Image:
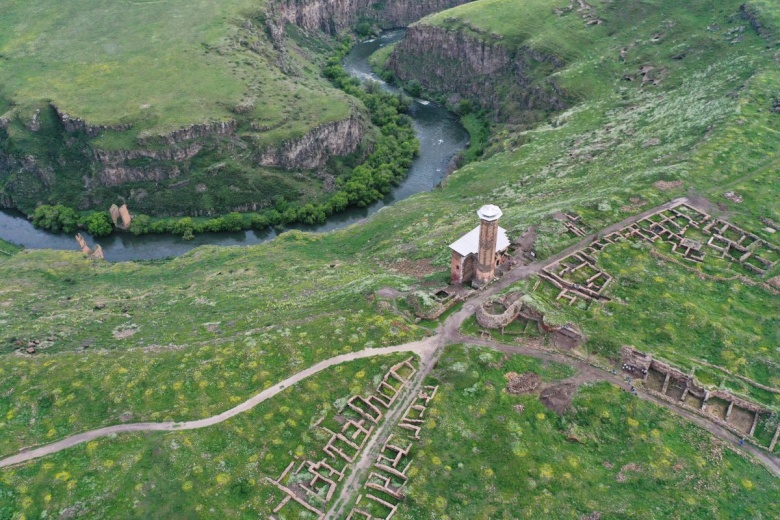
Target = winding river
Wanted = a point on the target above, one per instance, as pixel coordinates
(439, 133)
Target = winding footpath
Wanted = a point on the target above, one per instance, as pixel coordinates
(423, 348)
(429, 349)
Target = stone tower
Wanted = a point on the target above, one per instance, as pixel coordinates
(488, 234)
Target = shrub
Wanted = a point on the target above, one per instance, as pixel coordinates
(56, 219)
(98, 224)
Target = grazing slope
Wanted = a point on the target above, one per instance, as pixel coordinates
(704, 123)
(153, 102)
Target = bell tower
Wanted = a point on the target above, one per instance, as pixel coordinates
(488, 235)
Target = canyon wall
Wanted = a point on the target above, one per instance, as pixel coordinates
(503, 79)
(332, 16)
(313, 149)
(73, 166)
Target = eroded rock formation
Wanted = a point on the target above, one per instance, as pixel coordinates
(490, 73)
(332, 16)
(313, 149)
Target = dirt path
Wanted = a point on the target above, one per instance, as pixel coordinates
(424, 348)
(429, 350)
(372, 448)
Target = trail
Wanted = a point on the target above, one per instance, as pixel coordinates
(429, 349)
(424, 348)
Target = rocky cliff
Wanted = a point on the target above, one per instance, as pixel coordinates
(77, 162)
(332, 16)
(509, 81)
(313, 149)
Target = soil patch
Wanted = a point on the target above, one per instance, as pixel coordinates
(741, 419)
(415, 268)
(675, 390)
(558, 398)
(389, 293)
(667, 185)
(693, 401)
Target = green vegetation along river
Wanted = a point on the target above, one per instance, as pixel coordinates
(438, 130)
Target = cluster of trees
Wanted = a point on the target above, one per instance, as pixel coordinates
(63, 219)
(386, 166)
(395, 148)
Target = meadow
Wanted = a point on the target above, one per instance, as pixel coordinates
(608, 454)
(217, 471)
(621, 147)
(108, 337)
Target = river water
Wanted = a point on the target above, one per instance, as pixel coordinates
(439, 133)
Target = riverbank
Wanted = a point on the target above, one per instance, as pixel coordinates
(438, 131)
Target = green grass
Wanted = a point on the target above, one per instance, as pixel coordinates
(479, 458)
(129, 70)
(216, 471)
(717, 133)
(662, 308)
(114, 63)
(7, 249)
(176, 340)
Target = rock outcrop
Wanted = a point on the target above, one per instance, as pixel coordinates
(332, 16)
(313, 149)
(75, 124)
(77, 150)
(486, 71)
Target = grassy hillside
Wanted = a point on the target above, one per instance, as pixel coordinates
(609, 453)
(217, 471)
(157, 77)
(708, 128)
(159, 66)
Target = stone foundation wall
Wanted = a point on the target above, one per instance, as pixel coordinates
(497, 321)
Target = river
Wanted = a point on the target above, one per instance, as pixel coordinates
(438, 130)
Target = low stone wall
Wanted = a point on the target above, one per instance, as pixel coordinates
(489, 320)
(673, 376)
(566, 336)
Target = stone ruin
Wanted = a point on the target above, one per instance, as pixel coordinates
(742, 247)
(577, 277)
(97, 253)
(668, 225)
(441, 301)
(498, 313)
(384, 488)
(574, 224)
(313, 484)
(522, 383)
(671, 225)
(722, 407)
(120, 216)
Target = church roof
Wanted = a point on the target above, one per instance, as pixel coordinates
(469, 243)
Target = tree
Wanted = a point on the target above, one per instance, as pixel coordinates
(57, 218)
(98, 224)
(183, 227)
(414, 88)
(232, 222)
(140, 225)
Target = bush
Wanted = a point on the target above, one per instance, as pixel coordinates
(141, 225)
(56, 219)
(184, 227)
(98, 224)
(414, 88)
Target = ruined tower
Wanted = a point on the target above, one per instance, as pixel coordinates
(488, 235)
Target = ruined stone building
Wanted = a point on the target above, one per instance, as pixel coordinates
(476, 254)
(120, 216)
